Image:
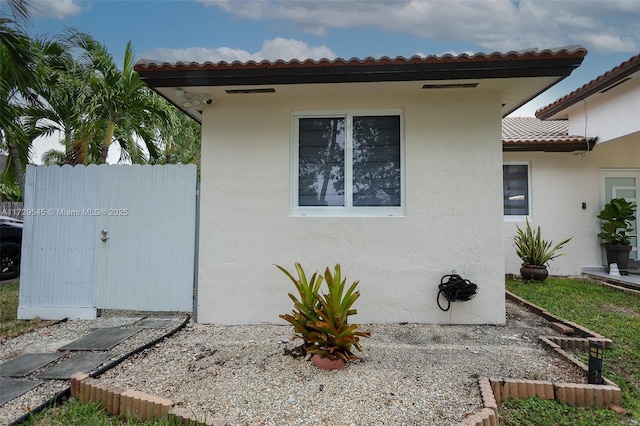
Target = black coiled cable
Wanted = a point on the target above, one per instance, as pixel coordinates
(455, 288)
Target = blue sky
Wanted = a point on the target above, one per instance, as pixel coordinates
(215, 30)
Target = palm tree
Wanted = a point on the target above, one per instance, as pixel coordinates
(180, 140)
(20, 76)
(122, 107)
(64, 94)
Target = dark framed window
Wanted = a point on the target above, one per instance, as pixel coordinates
(515, 179)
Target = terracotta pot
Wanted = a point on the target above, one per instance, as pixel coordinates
(534, 273)
(326, 363)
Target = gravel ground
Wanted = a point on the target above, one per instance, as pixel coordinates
(48, 340)
(406, 375)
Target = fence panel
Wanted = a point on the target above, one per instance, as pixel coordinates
(145, 259)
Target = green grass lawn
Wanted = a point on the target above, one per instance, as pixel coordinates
(74, 412)
(9, 325)
(608, 312)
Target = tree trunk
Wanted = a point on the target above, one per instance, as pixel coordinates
(14, 154)
(106, 143)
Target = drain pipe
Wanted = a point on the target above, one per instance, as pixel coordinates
(65, 393)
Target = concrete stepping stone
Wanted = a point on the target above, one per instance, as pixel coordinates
(26, 364)
(156, 322)
(13, 388)
(117, 322)
(83, 362)
(100, 340)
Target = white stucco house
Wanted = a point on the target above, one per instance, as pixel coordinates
(390, 167)
(564, 165)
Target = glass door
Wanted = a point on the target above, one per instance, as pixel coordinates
(624, 184)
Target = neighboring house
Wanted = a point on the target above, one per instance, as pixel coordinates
(561, 167)
(391, 167)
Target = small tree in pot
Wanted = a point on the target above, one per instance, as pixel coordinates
(535, 252)
(617, 218)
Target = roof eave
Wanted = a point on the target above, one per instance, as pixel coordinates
(549, 146)
(201, 76)
(605, 81)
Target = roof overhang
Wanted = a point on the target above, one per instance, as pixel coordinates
(517, 76)
(576, 144)
(601, 84)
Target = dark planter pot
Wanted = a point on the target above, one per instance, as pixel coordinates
(326, 363)
(534, 273)
(619, 254)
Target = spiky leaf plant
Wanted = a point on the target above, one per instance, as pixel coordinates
(304, 306)
(532, 249)
(333, 336)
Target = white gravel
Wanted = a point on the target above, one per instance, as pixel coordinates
(407, 374)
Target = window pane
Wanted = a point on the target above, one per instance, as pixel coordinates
(321, 162)
(515, 189)
(376, 161)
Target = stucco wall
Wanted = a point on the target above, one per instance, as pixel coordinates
(560, 183)
(453, 215)
(608, 115)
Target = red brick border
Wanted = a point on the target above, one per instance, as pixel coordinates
(120, 402)
(495, 391)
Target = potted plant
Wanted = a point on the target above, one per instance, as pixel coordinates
(322, 319)
(617, 219)
(535, 252)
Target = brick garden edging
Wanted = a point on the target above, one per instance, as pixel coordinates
(121, 402)
(124, 402)
(495, 391)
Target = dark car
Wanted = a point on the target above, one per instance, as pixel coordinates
(10, 245)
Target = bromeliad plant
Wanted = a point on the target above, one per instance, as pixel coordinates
(304, 308)
(321, 320)
(334, 336)
(532, 249)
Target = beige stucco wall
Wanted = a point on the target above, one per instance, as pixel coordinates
(560, 183)
(608, 115)
(453, 217)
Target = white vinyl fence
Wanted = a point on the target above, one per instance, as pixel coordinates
(107, 237)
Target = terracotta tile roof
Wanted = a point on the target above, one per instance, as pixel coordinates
(568, 52)
(614, 76)
(556, 63)
(532, 134)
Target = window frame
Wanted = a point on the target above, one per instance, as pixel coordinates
(518, 217)
(348, 209)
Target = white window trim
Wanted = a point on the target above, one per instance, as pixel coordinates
(520, 218)
(343, 211)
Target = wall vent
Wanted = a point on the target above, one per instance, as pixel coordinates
(450, 86)
(247, 91)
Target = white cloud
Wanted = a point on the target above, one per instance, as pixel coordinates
(278, 48)
(58, 9)
(607, 26)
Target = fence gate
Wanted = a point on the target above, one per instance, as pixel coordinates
(107, 237)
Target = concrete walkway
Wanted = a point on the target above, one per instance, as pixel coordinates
(92, 354)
